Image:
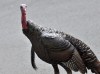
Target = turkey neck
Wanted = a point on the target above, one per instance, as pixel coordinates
(23, 16)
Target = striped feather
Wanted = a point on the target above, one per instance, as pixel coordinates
(76, 63)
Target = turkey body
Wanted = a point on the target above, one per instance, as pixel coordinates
(48, 46)
(52, 47)
(58, 48)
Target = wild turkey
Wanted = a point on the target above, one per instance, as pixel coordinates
(58, 48)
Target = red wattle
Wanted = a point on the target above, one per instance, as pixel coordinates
(23, 21)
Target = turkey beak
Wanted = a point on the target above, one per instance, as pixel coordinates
(23, 16)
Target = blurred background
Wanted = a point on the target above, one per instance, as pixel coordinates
(80, 18)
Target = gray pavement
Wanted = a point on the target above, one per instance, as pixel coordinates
(80, 18)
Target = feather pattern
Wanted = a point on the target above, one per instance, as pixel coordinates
(84, 50)
(76, 63)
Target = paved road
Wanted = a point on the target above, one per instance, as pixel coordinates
(76, 17)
